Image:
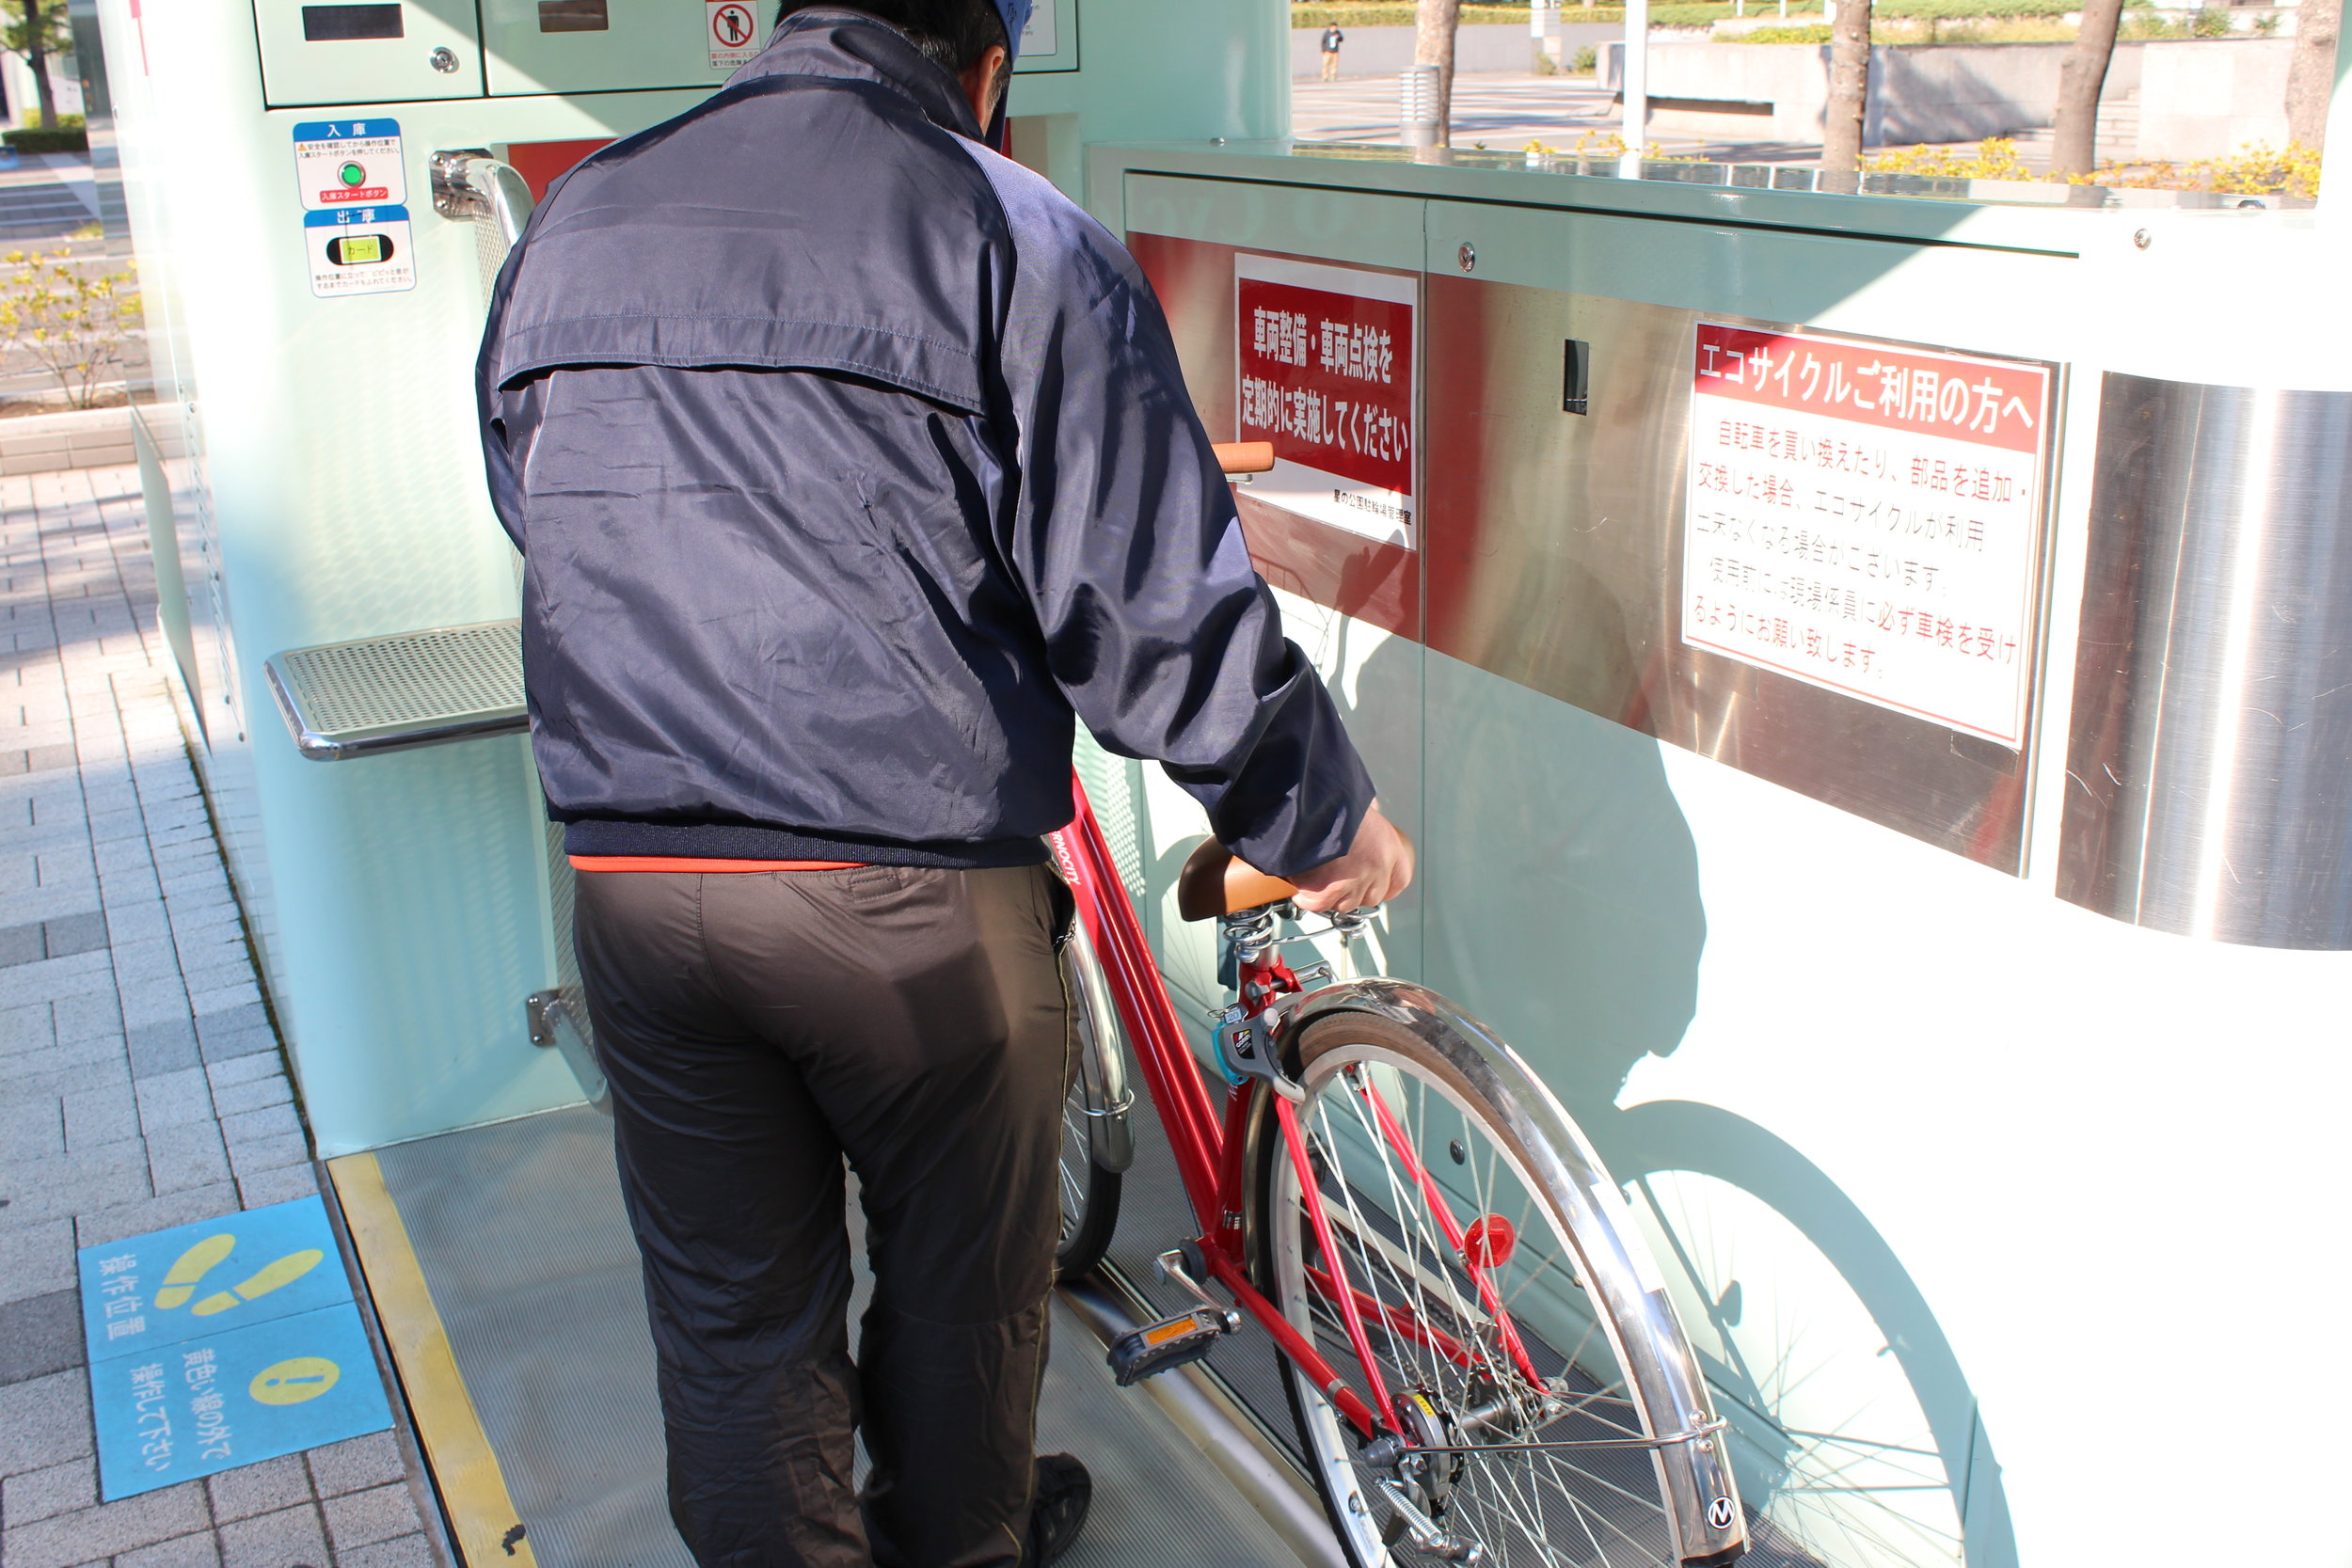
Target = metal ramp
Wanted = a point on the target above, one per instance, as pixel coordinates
(517, 1234)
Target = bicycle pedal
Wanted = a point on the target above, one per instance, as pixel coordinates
(1172, 1342)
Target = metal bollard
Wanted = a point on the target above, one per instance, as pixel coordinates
(1418, 102)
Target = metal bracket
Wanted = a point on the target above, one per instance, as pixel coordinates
(556, 1025)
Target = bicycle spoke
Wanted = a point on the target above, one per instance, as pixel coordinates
(1438, 1315)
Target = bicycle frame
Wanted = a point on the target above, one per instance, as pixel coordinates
(1209, 1145)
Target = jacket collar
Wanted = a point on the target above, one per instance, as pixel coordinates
(849, 45)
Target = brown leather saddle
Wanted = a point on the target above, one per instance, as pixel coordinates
(1216, 881)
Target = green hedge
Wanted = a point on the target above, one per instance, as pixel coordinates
(65, 139)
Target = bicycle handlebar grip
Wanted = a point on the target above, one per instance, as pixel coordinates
(1244, 457)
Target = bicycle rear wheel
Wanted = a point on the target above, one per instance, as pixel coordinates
(1539, 1355)
(1096, 1144)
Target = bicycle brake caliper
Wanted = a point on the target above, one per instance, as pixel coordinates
(1245, 1050)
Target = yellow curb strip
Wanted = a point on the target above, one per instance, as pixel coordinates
(473, 1489)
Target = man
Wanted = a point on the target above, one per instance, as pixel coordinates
(1332, 38)
(850, 461)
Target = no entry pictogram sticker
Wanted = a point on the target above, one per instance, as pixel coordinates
(732, 30)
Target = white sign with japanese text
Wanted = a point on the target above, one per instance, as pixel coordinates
(731, 29)
(1867, 520)
(1325, 362)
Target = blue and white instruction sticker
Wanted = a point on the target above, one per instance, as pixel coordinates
(359, 250)
(349, 162)
(206, 1405)
(223, 1343)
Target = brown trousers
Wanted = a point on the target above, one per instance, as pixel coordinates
(757, 1028)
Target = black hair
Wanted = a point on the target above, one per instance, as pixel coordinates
(952, 34)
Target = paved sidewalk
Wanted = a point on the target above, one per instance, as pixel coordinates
(141, 1084)
(1505, 111)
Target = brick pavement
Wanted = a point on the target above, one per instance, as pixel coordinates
(141, 1084)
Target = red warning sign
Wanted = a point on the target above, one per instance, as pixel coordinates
(731, 31)
(1326, 355)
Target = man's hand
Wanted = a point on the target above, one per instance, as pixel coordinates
(1376, 867)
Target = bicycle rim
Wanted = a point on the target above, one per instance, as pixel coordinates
(1441, 1351)
(1090, 1193)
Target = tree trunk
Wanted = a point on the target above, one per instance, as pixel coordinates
(1849, 88)
(1434, 22)
(37, 56)
(2312, 76)
(2073, 150)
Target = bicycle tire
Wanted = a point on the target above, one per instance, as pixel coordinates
(1090, 1191)
(1467, 1115)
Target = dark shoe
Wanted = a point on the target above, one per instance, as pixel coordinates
(1064, 1493)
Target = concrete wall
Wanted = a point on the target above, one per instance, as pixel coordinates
(2208, 99)
(2198, 98)
(84, 438)
(1485, 46)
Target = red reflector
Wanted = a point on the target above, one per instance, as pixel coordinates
(1489, 1241)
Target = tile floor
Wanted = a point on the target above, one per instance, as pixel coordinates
(141, 1084)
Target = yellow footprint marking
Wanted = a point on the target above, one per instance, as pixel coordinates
(283, 1271)
(192, 1265)
(304, 1377)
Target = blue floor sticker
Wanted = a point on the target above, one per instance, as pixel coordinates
(197, 1280)
(235, 1398)
(223, 1343)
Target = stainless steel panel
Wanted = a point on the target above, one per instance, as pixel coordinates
(1554, 559)
(2208, 791)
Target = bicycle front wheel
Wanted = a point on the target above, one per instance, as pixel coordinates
(1531, 1386)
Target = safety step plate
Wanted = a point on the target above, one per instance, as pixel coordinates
(1176, 1341)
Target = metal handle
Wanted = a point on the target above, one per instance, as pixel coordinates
(471, 186)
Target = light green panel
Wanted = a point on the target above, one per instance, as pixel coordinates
(412, 946)
(1343, 226)
(2009, 301)
(1561, 883)
(1199, 70)
(646, 44)
(299, 70)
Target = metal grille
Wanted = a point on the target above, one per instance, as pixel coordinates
(521, 1233)
(1114, 787)
(413, 678)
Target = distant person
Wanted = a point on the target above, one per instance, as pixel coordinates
(1332, 38)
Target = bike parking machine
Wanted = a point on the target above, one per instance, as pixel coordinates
(1866, 672)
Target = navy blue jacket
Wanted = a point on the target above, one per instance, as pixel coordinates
(848, 460)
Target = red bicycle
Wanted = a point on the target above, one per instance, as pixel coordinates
(1479, 1348)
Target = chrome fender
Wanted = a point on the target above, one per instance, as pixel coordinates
(1692, 1452)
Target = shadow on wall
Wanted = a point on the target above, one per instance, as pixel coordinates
(1566, 911)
